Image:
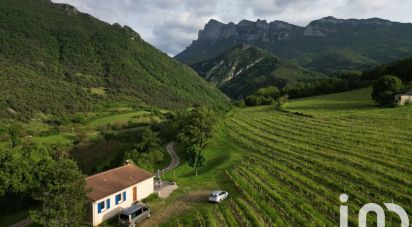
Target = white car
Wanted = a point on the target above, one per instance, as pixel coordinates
(217, 196)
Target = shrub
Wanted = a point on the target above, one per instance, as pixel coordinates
(384, 90)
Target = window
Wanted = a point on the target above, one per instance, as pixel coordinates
(121, 197)
(100, 207)
(118, 198)
(108, 203)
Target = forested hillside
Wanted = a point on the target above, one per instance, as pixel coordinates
(54, 59)
(243, 69)
(401, 68)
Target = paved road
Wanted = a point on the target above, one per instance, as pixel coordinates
(22, 223)
(175, 160)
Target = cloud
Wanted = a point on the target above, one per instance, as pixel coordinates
(171, 25)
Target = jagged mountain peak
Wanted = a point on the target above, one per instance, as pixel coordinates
(328, 44)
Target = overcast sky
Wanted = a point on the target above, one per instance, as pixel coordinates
(171, 25)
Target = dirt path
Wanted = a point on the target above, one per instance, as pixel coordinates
(177, 207)
(175, 160)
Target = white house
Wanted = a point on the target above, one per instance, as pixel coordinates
(116, 189)
(405, 98)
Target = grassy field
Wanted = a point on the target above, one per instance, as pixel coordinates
(285, 169)
(116, 119)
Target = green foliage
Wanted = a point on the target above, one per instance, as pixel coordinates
(352, 44)
(63, 196)
(242, 70)
(51, 132)
(338, 83)
(401, 68)
(148, 140)
(147, 160)
(65, 59)
(198, 127)
(23, 168)
(151, 198)
(48, 177)
(195, 157)
(266, 96)
(384, 90)
(14, 137)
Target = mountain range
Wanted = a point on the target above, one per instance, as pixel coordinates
(326, 45)
(55, 59)
(243, 69)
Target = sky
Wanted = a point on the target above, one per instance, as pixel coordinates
(171, 25)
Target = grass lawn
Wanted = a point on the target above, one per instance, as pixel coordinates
(63, 138)
(118, 118)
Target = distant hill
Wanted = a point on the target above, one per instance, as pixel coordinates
(55, 59)
(244, 69)
(326, 45)
(401, 68)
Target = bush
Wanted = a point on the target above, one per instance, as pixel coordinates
(151, 198)
(51, 132)
(384, 90)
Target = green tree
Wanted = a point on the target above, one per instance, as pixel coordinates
(58, 184)
(22, 168)
(147, 160)
(384, 90)
(195, 157)
(199, 127)
(148, 140)
(14, 137)
(63, 195)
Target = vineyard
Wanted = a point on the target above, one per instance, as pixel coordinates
(297, 163)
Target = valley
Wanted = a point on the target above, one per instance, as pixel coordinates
(295, 122)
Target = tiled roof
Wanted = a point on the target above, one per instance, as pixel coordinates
(109, 182)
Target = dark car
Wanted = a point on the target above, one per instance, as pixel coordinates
(133, 215)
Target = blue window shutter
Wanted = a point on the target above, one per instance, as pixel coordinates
(117, 199)
(99, 208)
(108, 203)
(124, 196)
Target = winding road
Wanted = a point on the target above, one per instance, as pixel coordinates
(175, 160)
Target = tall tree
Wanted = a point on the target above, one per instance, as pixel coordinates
(63, 195)
(199, 127)
(195, 157)
(14, 137)
(384, 90)
(22, 168)
(148, 140)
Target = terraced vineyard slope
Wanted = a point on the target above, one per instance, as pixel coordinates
(295, 167)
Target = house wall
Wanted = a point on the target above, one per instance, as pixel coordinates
(144, 189)
(403, 99)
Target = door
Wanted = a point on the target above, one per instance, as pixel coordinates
(134, 194)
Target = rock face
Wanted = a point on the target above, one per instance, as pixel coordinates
(248, 30)
(326, 45)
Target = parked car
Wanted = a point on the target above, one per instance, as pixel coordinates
(134, 215)
(217, 196)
